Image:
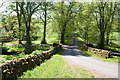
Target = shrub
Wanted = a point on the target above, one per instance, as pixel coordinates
(87, 53)
(4, 50)
(6, 38)
(37, 51)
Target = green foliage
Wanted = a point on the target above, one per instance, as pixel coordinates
(11, 25)
(36, 52)
(2, 61)
(56, 67)
(9, 57)
(6, 38)
(112, 47)
(88, 22)
(5, 49)
(12, 57)
(116, 59)
(80, 40)
(17, 49)
(62, 17)
(36, 29)
(37, 49)
(114, 36)
(87, 53)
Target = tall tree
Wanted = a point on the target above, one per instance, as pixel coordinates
(84, 18)
(27, 9)
(19, 17)
(66, 12)
(44, 11)
(112, 11)
(102, 18)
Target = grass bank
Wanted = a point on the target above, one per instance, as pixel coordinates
(6, 58)
(116, 48)
(116, 59)
(56, 67)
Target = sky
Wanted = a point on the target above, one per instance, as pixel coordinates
(7, 2)
(4, 6)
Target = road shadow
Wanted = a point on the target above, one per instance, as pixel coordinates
(72, 48)
(72, 51)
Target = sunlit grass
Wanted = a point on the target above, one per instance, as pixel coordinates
(14, 42)
(56, 67)
(39, 49)
(51, 40)
(36, 42)
(116, 59)
(113, 47)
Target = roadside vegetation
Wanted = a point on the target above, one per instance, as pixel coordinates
(26, 23)
(114, 59)
(56, 67)
(17, 54)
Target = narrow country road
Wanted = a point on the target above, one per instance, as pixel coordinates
(74, 56)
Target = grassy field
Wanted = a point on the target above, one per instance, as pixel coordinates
(49, 41)
(39, 49)
(56, 67)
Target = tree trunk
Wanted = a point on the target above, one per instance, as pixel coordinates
(107, 41)
(101, 44)
(19, 31)
(102, 28)
(110, 26)
(86, 34)
(63, 34)
(44, 33)
(28, 41)
(19, 21)
(62, 38)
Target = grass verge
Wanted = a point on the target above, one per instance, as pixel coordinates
(56, 67)
(116, 59)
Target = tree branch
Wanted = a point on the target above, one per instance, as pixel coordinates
(42, 19)
(96, 20)
(35, 9)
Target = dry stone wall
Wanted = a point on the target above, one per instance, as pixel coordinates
(12, 69)
(98, 52)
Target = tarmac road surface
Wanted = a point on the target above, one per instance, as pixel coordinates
(74, 56)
